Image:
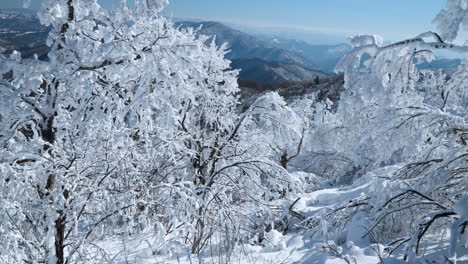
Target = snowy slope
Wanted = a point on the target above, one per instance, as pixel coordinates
(301, 247)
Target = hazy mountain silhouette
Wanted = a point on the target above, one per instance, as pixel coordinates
(260, 59)
(272, 71)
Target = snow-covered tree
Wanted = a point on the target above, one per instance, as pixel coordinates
(130, 125)
(67, 137)
(283, 127)
(409, 121)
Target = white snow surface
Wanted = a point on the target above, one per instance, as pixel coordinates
(295, 248)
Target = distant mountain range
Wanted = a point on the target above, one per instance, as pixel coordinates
(259, 54)
(20, 30)
(243, 46)
(441, 64)
(325, 57)
(259, 58)
(273, 71)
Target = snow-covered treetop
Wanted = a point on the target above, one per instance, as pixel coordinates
(448, 21)
(361, 40)
(59, 12)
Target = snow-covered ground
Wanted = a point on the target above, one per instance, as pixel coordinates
(276, 248)
(293, 248)
(280, 249)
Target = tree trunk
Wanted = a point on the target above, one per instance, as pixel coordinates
(60, 238)
(199, 235)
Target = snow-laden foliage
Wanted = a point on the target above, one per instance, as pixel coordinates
(449, 20)
(404, 131)
(284, 127)
(129, 127)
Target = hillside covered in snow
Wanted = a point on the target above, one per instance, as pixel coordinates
(130, 141)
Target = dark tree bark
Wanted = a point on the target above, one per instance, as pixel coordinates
(60, 238)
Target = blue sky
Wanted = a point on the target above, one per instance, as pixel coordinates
(391, 18)
(394, 19)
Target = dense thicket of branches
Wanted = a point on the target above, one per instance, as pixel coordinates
(132, 126)
(404, 131)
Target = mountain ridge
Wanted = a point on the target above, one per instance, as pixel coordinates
(243, 46)
(259, 58)
(257, 69)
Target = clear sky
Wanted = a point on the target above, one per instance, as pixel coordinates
(394, 19)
